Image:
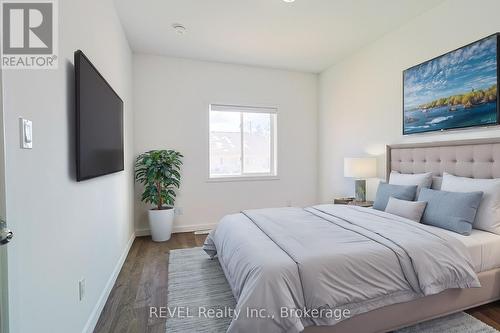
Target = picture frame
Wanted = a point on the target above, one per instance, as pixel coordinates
(455, 90)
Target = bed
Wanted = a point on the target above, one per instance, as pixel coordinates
(387, 271)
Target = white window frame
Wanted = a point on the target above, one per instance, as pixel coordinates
(273, 175)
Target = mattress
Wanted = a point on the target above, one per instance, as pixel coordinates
(483, 246)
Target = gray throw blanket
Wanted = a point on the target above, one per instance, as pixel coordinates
(283, 263)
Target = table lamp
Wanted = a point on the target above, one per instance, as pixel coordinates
(360, 169)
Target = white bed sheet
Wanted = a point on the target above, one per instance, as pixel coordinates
(483, 246)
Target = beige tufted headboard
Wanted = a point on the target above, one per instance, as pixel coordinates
(478, 158)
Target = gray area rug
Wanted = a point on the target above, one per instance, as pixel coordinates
(199, 293)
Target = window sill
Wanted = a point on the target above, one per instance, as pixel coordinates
(241, 179)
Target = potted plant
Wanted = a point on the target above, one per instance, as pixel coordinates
(159, 172)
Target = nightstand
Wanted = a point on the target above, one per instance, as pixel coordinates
(351, 201)
(342, 201)
(361, 203)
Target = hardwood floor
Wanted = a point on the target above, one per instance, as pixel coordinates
(142, 283)
(488, 313)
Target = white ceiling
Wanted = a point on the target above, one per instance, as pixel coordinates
(306, 35)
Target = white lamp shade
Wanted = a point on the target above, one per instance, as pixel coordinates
(360, 167)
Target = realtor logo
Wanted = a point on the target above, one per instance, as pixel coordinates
(29, 34)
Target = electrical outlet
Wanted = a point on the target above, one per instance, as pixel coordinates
(81, 289)
(178, 211)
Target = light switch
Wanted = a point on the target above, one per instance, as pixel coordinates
(26, 133)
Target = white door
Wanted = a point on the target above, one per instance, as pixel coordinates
(5, 234)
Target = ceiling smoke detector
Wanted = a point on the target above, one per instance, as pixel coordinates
(179, 28)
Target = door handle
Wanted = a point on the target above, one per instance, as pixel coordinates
(5, 236)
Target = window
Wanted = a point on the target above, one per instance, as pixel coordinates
(242, 141)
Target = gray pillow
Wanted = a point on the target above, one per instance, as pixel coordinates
(450, 210)
(385, 191)
(422, 180)
(411, 210)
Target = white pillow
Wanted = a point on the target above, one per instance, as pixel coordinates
(488, 213)
(412, 210)
(422, 180)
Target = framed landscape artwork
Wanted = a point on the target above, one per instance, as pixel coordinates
(455, 90)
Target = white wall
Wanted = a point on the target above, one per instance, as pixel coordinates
(360, 107)
(65, 230)
(171, 99)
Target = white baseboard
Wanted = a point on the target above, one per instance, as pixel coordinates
(96, 312)
(142, 232)
(194, 227)
(180, 228)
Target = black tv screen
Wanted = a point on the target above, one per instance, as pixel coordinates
(99, 122)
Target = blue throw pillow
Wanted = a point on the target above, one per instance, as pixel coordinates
(385, 191)
(450, 210)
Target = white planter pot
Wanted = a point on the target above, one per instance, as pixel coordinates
(160, 224)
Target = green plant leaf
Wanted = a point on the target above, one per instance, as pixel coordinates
(159, 172)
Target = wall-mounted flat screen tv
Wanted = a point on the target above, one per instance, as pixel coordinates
(99, 122)
(455, 90)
